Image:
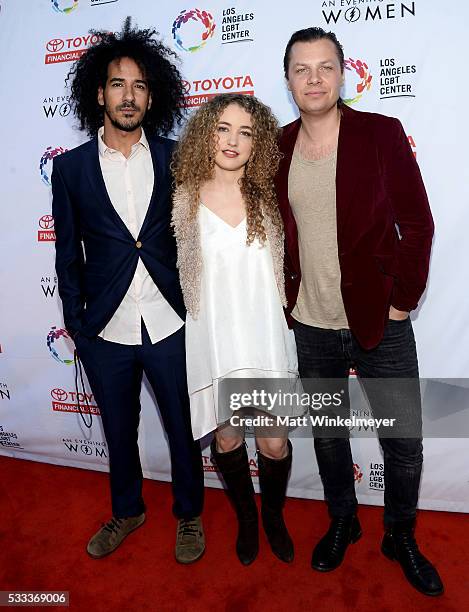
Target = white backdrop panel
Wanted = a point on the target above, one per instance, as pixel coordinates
(424, 39)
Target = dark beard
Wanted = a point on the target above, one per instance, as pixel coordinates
(133, 124)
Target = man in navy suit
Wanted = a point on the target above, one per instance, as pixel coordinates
(116, 270)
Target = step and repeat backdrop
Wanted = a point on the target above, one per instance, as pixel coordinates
(405, 59)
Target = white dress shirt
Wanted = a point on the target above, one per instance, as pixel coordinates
(129, 183)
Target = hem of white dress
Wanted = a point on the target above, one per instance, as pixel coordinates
(289, 374)
(210, 421)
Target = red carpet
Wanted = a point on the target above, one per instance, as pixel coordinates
(49, 512)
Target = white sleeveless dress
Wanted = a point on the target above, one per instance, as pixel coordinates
(240, 331)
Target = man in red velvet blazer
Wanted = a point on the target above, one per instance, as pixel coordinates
(358, 234)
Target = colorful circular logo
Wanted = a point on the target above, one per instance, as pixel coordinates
(361, 82)
(60, 345)
(357, 473)
(64, 6)
(46, 160)
(198, 27)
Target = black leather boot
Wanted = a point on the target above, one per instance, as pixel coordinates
(234, 467)
(330, 550)
(273, 478)
(399, 544)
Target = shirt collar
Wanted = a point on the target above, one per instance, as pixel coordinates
(103, 148)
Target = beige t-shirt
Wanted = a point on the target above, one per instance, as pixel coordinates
(311, 191)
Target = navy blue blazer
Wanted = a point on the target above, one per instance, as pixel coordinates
(92, 282)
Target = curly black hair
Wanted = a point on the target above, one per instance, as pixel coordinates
(154, 60)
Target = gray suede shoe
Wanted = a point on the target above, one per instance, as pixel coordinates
(190, 540)
(108, 538)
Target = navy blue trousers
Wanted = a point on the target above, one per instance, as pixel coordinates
(115, 373)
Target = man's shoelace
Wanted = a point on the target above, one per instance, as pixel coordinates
(339, 530)
(188, 529)
(113, 525)
(408, 543)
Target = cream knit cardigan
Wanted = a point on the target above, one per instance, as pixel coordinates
(189, 255)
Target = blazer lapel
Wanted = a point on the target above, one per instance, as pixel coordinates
(97, 181)
(349, 165)
(159, 173)
(287, 144)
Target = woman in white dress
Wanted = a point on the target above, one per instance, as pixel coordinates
(230, 257)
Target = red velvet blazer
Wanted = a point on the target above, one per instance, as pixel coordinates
(378, 188)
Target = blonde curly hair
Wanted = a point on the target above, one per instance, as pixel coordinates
(194, 160)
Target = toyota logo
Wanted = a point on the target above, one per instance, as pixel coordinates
(46, 222)
(187, 86)
(56, 44)
(59, 394)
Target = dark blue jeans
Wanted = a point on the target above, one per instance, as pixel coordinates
(115, 374)
(329, 354)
